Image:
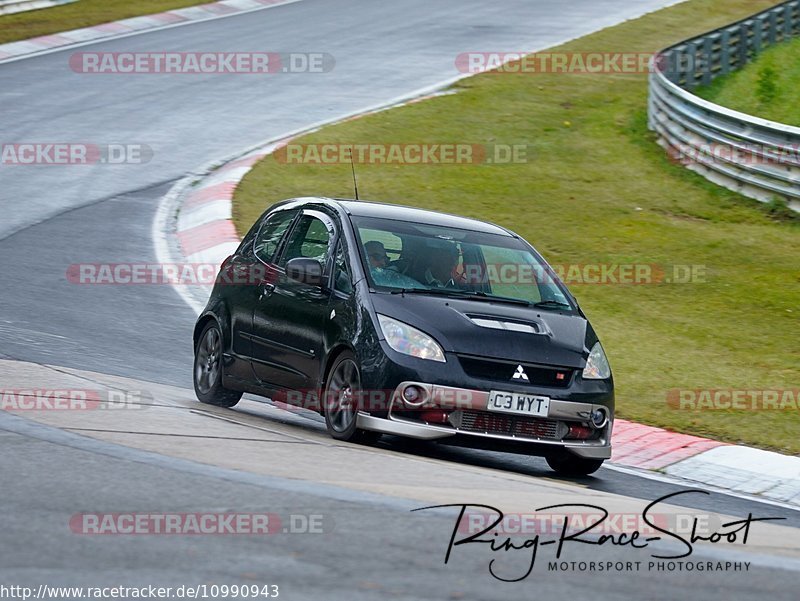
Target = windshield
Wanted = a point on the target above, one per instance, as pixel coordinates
(415, 257)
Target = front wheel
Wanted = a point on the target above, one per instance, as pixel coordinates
(567, 464)
(341, 401)
(208, 370)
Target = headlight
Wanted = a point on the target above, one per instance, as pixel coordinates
(410, 341)
(597, 367)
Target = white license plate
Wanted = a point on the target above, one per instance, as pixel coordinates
(517, 402)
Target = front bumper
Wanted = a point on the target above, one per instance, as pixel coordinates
(466, 421)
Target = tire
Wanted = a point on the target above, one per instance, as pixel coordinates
(340, 401)
(207, 372)
(567, 464)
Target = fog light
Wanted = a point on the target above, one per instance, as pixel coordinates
(579, 432)
(599, 418)
(434, 416)
(413, 396)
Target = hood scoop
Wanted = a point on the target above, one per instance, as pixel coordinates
(510, 325)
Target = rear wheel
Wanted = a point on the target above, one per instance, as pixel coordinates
(341, 401)
(208, 369)
(567, 464)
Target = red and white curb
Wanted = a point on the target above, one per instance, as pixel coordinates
(637, 445)
(204, 228)
(134, 25)
(735, 468)
(12, 7)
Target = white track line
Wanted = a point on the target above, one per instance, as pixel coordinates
(160, 231)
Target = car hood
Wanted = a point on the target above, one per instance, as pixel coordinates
(560, 339)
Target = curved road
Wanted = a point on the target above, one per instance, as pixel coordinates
(54, 216)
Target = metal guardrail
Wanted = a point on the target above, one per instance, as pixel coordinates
(753, 156)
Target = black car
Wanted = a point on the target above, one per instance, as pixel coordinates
(394, 320)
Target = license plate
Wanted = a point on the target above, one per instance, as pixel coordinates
(517, 402)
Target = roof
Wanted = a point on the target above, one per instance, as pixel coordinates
(366, 208)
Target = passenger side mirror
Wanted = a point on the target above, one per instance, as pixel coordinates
(305, 271)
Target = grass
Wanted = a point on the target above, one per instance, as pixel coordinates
(598, 189)
(84, 13)
(766, 87)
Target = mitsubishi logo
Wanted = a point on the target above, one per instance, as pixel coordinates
(520, 374)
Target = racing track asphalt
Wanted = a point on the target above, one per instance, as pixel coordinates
(54, 216)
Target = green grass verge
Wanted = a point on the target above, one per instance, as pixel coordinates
(598, 189)
(84, 13)
(767, 87)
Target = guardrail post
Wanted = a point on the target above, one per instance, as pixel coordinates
(735, 43)
(758, 36)
(677, 69)
(725, 53)
(708, 63)
(795, 18)
(691, 66)
(772, 29)
(744, 44)
(788, 21)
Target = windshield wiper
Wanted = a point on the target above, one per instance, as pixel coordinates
(478, 295)
(439, 291)
(550, 303)
(456, 293)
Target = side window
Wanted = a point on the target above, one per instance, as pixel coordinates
(342, 278)
(309, 239)
(270, 234)
(246, 245)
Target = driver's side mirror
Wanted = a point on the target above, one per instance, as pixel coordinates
(305, 271)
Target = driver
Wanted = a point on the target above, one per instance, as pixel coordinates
(442, 261)
(376, 253)
(382, 272)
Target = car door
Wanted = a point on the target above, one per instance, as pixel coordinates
(289, 317)
(246, 273)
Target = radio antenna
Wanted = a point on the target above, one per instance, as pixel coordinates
(353, 171)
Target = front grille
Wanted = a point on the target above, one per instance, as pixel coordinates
(503, 371)
(508, 425)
